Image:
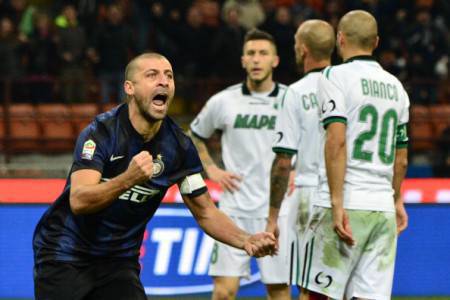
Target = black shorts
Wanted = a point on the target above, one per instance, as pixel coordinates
(106, 279)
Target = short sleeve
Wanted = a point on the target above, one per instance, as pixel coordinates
(191, 163)
(404, 112)
(91, 149)
(402, 128)
(331, 99)
(209, 119)
(287, 130)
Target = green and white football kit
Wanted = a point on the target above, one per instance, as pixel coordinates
(374, 106)
(298, 129)
(247, 121)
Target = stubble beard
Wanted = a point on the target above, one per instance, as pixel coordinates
(146, 113)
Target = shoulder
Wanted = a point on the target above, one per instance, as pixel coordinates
(305, 83)
(182, 139)
(282, 89)
(226, 94)
(337, 71)
(231, 90)
(104, 124)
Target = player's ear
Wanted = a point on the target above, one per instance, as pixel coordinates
(276, 61)
(242, 62)
(304, 49)
(128, 87)
(340, 38)
(377, 41)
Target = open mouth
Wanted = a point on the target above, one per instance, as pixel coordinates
(160, 99)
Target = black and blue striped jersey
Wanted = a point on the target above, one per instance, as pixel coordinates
(107, 145)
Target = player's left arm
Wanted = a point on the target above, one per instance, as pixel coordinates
(401, 163)
(400, 166)
(218, 225)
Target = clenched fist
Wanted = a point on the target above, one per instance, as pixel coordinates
(261, 244)
(140, 168)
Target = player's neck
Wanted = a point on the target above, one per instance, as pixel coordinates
(147, 129)
(260, 87)
(310, 64)
(352, 52)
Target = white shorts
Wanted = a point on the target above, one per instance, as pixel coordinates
(229, 261)
(300, 210)
(331, 267)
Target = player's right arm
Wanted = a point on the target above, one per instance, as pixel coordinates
(221, 228)
(89, 195)
(335, 163)
(334, 119)
(203, 126)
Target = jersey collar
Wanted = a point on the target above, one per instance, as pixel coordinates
(361, 57)
(314, 70)
(246, 91)
(125, 119)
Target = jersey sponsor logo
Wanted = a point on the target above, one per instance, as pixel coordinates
(88, 150)
(137, 193)
(113, 158)
(323, 280)
(255, 121)
(175, 255)
(158, 166)
(327, 105)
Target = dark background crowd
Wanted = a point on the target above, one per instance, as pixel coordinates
(77, 42)
(69, 51)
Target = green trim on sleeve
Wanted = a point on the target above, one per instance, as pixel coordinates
(333, 119)
(284, 150)
(401, 145)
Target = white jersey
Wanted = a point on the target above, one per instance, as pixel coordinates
(247, 122)
(374, 105)
(298, 129)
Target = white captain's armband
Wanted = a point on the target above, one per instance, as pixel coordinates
(191, 184)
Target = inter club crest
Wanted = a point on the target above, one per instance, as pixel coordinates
(158, 166)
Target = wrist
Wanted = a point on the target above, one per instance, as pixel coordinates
(244, 239)
(273, 214)
(210, 167)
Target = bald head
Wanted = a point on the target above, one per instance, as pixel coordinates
(360, 29)
(318, 36)
(133, 65)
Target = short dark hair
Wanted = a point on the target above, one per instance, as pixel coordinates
(256, 34)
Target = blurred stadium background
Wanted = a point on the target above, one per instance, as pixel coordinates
(62, 62)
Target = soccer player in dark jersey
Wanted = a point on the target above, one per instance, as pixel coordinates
(86, 245)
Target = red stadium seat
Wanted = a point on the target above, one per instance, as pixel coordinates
(82, 114)
(440, 118)
(24, 130)
(57, 129)
(422, 136)
(108, 106)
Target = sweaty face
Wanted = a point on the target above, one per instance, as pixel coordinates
(259, 59)
(153, 88)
